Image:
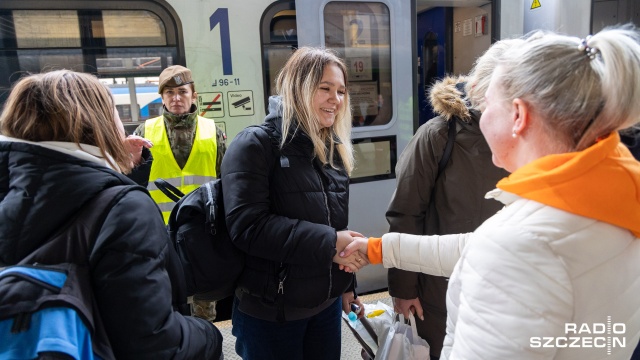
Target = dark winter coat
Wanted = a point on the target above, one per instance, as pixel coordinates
(283, 208)
(457, 205)
(40, 189)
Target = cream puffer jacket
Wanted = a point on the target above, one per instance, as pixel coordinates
(532, 282)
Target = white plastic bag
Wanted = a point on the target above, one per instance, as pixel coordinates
(379, 323)
(401, 342)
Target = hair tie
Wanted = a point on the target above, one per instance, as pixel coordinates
(589, 51)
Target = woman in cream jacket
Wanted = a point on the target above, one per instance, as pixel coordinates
(555, 274)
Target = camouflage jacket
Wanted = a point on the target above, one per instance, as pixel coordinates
(181, 130)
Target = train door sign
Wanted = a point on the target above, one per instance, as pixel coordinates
(358, 47)
(240, 103)
(210, 105)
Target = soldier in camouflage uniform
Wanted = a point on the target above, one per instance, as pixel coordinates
(181, 130)
(180, 117)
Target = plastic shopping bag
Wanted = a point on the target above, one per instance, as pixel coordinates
(367, 330)
(401, 342)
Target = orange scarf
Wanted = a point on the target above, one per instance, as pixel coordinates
(601, 182)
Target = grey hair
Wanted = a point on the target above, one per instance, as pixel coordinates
(580, 97)
(480, 76)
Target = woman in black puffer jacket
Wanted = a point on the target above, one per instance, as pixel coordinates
(62, 144)
(286, 202)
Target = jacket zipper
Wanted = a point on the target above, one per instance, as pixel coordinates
(282, 276)
(326, 205)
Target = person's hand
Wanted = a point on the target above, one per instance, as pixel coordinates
(135, 144)
(355, 247)
(345, 237)
(349, 298)
(404, 307)
(359, 244)
(351, 263)
(348, 263)
(361, 259)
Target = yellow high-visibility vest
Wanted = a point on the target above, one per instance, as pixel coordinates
(199, 169)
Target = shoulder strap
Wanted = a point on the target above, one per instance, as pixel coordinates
(169, 190)
(74, 241)
(451, 138)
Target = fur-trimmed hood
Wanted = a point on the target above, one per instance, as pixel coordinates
(447, 100)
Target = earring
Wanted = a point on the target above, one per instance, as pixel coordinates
(514, 135)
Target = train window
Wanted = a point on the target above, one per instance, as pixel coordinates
(360, 33)
(375, 159)
(279, 39)
(109, 42)
(124, 111)
(125, 43)
(133, 28)
(46, 29)
(148, 103)
(283, 27)
(155, 109)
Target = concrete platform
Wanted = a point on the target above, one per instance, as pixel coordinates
(350, 346)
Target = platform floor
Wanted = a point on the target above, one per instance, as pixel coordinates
(350, 346)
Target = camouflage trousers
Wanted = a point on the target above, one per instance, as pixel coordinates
(204, 309)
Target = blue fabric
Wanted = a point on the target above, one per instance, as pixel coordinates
(52, 329)
(55, 278)
(314, 338)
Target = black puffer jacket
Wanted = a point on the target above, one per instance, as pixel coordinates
(40, 189)
(283, 208)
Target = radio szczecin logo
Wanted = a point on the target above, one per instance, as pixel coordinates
(595, 335)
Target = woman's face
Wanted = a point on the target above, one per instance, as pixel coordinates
(178, 100)
(329, 96)
(497, 124)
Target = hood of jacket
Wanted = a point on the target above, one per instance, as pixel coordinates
(601, 182)
(40, 190)
(296, 136)
(448, 100)
(275, 107)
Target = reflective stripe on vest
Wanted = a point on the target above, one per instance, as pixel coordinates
(200, 167)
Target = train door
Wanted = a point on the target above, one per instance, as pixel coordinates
(376, 40)
(449, 39)
(433, 41)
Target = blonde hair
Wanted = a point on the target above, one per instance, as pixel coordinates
(581, 95)
(297, 84)
(480, 76)
(65, 106)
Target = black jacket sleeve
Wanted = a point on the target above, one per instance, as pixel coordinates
(140, 174)
(134, 292)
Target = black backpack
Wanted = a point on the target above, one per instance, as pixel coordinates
(47, 308)
(211, 263)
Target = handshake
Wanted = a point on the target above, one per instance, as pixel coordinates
(351, 253)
